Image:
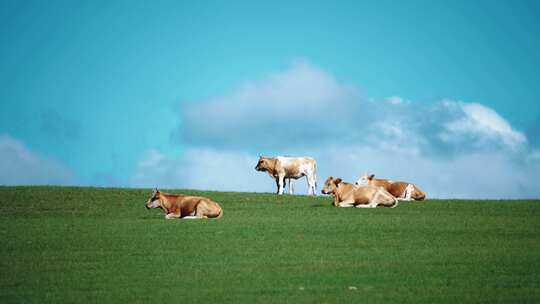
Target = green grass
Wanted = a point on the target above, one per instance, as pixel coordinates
(101, 245)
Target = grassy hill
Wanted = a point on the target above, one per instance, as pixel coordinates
(101, 245)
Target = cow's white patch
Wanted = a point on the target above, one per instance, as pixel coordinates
(409, 191)
(363, 181)
(366, 206)
(191, 217)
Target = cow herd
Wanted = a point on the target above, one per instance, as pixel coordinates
(367, 192)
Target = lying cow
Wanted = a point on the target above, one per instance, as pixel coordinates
(401, 190)
(349, 195)
(282, 167)
(184, 206)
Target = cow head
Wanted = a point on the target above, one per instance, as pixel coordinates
(153, 201)
(365, 180)
(263, 164)
(330, 185)
(417, 194)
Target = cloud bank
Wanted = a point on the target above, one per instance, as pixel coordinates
(450, 148)
(285, 109)
(200, 168)
(20, 166)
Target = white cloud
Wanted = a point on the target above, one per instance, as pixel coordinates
(484, 122)
(201, 169)
(450, 148)
(305, 106)
(20, 166)
(290, 107)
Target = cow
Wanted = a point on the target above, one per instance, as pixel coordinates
(282, 167)
(401, 190)
(184, 206)
(350, 195)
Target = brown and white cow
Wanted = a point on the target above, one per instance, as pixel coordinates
(401, 190)
(282, 167)
(349, 195)
(184, 206)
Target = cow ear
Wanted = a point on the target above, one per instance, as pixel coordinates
(371, 176)
(338, 181)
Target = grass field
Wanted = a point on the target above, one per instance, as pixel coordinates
(65, 245)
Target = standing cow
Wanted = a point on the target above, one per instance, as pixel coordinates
(401, 190)
(282, 167)
(349, 195)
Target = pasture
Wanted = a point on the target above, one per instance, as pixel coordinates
(66, 245)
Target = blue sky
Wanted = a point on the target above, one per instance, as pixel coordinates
(165, 93)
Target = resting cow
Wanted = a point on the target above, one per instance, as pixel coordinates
(184, 206)
(349, 195)
(401, 190)
(282, 167)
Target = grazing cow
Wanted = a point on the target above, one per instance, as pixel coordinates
(184, 206)
(282, 167)
(401, 190)
(349, 195)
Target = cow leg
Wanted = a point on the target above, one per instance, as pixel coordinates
(311, 184)
(404, 199)
(202, 210)
(374, 201)
(291, 186)
(309, 188)
(365, 206)
(171, 216)
(194, 217)
(346, 204)
(384, 198)
(281, 181)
